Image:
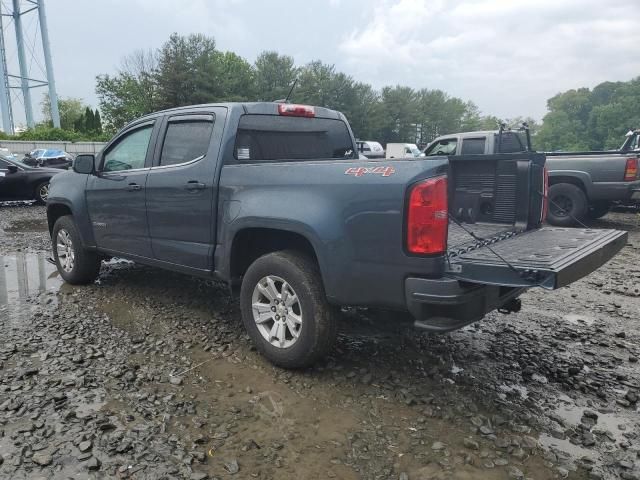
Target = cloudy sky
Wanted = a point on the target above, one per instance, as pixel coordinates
(508, 56)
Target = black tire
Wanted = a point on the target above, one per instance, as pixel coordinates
(86, 264)
(39, 193)
(598, 210)
(317, 331)
(567, 203)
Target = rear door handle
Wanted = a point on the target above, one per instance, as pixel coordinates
(132, 187)
(195, 185)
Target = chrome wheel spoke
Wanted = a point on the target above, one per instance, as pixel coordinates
(291, 300)
(291, 325)
(65, 251)
(266, 292)
(271, 288)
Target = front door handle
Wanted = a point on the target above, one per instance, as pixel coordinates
(132, 187)
(195, 185)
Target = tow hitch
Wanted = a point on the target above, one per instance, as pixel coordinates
(512, 306)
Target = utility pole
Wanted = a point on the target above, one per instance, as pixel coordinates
(5, 98)
(46, 49)
(22, 60)
(26, 80)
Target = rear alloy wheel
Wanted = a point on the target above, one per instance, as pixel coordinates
(567, 205)
(42, 193)
(285, 311)
(277, 311)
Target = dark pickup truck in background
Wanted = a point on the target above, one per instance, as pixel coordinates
(273, 200)
(581, 184)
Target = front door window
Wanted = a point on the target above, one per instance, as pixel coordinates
(130, 152)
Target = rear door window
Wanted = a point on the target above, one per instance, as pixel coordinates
(473, 146)
(509, 143)
(270, 138)
(186, 139)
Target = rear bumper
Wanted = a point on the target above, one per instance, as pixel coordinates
(446, 304)
(613, 191)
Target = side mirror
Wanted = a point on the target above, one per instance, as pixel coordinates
(84, 164)
(12, 168)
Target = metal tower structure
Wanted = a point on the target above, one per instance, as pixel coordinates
(28, 56)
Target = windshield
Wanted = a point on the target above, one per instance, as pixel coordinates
(15, 162)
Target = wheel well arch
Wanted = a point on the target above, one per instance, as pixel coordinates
(54, 212)
(251, 243)
(567, 179)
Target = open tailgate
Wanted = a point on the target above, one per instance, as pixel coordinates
(549, 257)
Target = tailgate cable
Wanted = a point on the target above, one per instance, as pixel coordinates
(485, 243)
(548, 199)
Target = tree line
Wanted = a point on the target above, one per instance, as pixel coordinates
(189, 70)
(596, 119)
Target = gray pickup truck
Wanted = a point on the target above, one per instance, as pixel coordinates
(582, 184)
(272, 199)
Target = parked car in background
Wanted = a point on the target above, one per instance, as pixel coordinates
(402, 150)
(48, 158)
(273, 200)
(5, 152)
(370, 149)
(19, 181)
(581, 184)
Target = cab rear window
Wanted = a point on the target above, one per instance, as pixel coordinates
(271, 138)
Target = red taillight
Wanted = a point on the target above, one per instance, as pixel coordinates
(631, 170)
(292, 110)
(427, 217)
(545, 194)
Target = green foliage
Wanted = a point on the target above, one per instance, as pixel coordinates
(70, 110)
(274, 75)
(75, 117)
(125, 97)
(595, 119)
(189, 70)
(46, 133)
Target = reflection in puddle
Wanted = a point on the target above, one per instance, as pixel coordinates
(607, 423)
(564, 448)
(25, 274)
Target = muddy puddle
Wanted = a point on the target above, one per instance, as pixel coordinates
(25, 274)
(39, 225)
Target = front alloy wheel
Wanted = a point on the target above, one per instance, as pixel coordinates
(76, 264)
(43, 192)
(277, 311)
(65, 251)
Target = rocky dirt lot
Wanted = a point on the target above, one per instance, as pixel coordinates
(149, 375)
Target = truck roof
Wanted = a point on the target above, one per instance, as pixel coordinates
(257, 108)
(470, 134)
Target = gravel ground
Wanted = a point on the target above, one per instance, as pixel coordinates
(149, 375)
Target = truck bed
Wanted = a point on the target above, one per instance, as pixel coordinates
(459, 239)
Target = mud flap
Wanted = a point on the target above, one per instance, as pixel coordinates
(548, 257)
